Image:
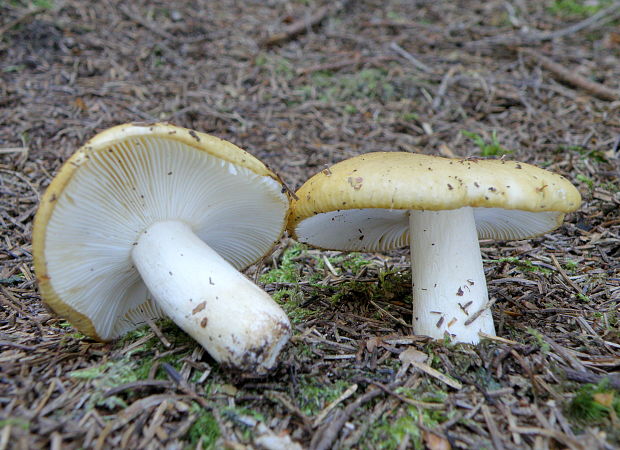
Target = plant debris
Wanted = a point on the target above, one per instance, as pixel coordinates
(346, 78)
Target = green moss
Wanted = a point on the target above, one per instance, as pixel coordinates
(583, 298)
(581, 8)
(370, 84)
(610, 186)
(288, 269)
(394, 15)
(15, 279)
(291, 301)
(204, 427)
(410, 117)
(313, 396)
(613, 317)
(571, 265)
(585, 180)
(544, 345)
(390, 432)
(15, 422)
(303, 351)
(525, 265)
(32, 4)
(593, 404)
(276, 64)
(107, 376)
(13, 68)
(492, 148)
(130, 368)
(350, 109)
(132, 336)
(423, 393)
(290, 298)
(355, 262)
(584, 153)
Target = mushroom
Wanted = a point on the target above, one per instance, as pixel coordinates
(377, 201)
(152, 220)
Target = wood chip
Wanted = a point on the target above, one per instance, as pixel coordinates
(436, 374)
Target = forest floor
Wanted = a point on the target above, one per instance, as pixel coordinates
(301, 85)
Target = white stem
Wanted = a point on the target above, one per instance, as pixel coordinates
(448, 279)
(233, 319)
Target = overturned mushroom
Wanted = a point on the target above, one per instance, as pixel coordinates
(149, 221)
(441, 207)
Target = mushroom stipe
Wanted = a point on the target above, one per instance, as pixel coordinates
(440, 207)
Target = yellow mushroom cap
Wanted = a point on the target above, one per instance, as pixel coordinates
(122, 181)
(361, 203)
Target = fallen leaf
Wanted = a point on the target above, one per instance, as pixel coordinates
(79, 102)
(373, 343)
(435, 442)
(611, 40)
(229, 389)
(604, 398)
(269, 440)
(446, 151)
(412, 355)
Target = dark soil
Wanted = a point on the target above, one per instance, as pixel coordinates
(355, 77)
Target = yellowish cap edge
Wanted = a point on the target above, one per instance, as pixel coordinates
(201, 141)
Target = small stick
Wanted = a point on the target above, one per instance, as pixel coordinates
(142, 384)
(477, 314)
(5, 435)
(512, 39)
(325, 437)
(409, 57)
(158, 333)
(597, 90)
(302, 26)
(443, 87)
(586, 377)
(563, 274)
(156, 29)
(616, 145)
(574, 362)
(484, 335)
(391, 316)
(46, 397)
(436, 374)
(4, 151)
(409, 401)
(344, 63)
(280, 397)
(571, 443)
(492, 426)
(330, 266)
(512, 422)
(146, 24)
(323, 414)
(604, 15)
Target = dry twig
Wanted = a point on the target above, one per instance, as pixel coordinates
(568, 76)
(302, 26)
(529, 38)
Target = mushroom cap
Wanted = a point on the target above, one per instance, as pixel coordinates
(118, 184)
(362, 203)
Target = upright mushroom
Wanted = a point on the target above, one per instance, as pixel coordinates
(148, 221)
(441, 207)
